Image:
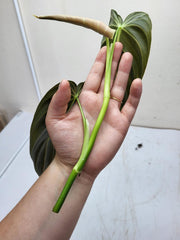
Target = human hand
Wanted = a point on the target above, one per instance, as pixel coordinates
(66, 129)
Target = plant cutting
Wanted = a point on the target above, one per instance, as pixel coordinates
(135, 34)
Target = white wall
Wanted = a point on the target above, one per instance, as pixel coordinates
(62, 51)
(17, 90)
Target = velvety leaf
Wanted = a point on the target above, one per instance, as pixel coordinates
(135, 36)
(41, 148)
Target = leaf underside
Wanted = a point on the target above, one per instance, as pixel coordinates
(41, 149)
(136, 39)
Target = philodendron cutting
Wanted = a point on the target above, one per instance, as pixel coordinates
(135, 34)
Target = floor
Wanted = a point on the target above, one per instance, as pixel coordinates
(137, 197)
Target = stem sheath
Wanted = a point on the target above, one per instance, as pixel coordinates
(92, 24)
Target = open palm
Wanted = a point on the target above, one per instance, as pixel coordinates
(66, 129)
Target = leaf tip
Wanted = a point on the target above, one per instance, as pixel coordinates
(36, 16)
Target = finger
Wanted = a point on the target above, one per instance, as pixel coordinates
(95, 76)
(130, 106)
(116, 56)
(58, 105)
(119, 87)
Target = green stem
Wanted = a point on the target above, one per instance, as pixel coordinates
(65, 191)
(106, 97)
(88, 143)
(86, 131)
(78, 167)
(109, 57)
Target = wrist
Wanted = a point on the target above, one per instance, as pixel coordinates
(65, 169)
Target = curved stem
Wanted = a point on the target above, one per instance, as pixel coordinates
(88, 143)
(110, 51)
(79, 165)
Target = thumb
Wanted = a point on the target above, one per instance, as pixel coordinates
(59, 103)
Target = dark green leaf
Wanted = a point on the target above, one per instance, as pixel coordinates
(136, 38)
(41, 149)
